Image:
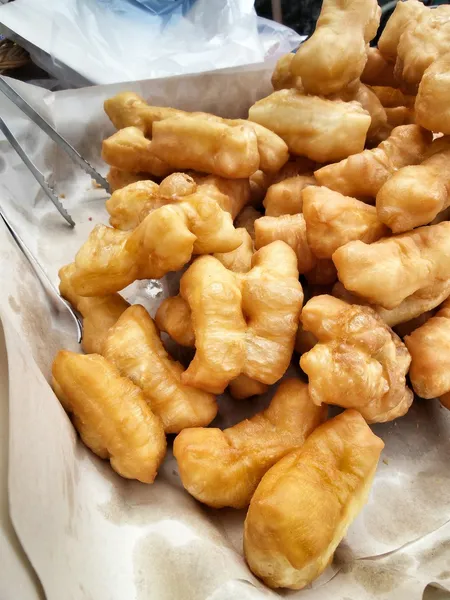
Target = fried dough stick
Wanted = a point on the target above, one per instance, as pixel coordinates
(110, 413)
(392, 269)
(336, 53)
(305, 503)
(223, 468)
(358, 362)
(415, 195)
(362, 175)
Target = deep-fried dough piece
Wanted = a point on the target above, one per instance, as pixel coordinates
(110, 414)
(392, 269)
(404, 14)
(336, 53)
(410, 308)
(99, 313)
(400, 115)
(219, 148)
(285, 197)
(118, 179)
(415, 195)
(243, 387)
(223, 468)
(243, 323)
(290, 229)
(391, 97)
(231, 195)
(126, 205)
(323, 130)
(429, 347)
(362, 175)
(129, 109)
(215, 299)
(239, 260)
(332, 220)
(131, 204)
(359, 361)
(164, 241)
(282, 77)
(300, 165)
(305, 503)
(432, 102)
(129, 150)
(377, 70)
(174, 318)
(133, 345)
(423, 41)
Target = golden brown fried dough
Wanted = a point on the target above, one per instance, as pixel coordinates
(243, 323)
(174, 318)
(243, 387)
(118, 179)
(392, 269)
(232, 195)
(214, 135)
(377, 70)
(410, 308)
(282, 77)
(215, 299)
(133, 345)
(305, 503)
(358, 362)
(110, 414)
(259, 183)
(99, 313)
(323, 130)
(391, 97)
(415, 195)
(129, 150)
(432, 103)
(429, 346)
(285, 197)
(404, 14)
(400, 115)
(423, 41)
(362, 175)
(223, 468)
(219, 148)
(336, 53)
(126, 205)
(164, 241)
(290, 229)
(332, 220)
(239, 260)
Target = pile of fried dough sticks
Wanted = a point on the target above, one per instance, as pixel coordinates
(316, 227)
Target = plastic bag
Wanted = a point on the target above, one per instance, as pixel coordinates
(108, 41)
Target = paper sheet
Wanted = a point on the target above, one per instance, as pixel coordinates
(91, 534)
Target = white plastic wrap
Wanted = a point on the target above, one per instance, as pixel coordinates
(91, 534)
(107, 41)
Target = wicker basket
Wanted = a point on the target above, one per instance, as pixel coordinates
(12, 56)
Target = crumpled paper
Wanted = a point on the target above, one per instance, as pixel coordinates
(91, 534)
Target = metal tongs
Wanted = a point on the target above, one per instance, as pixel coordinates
(16, 99)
